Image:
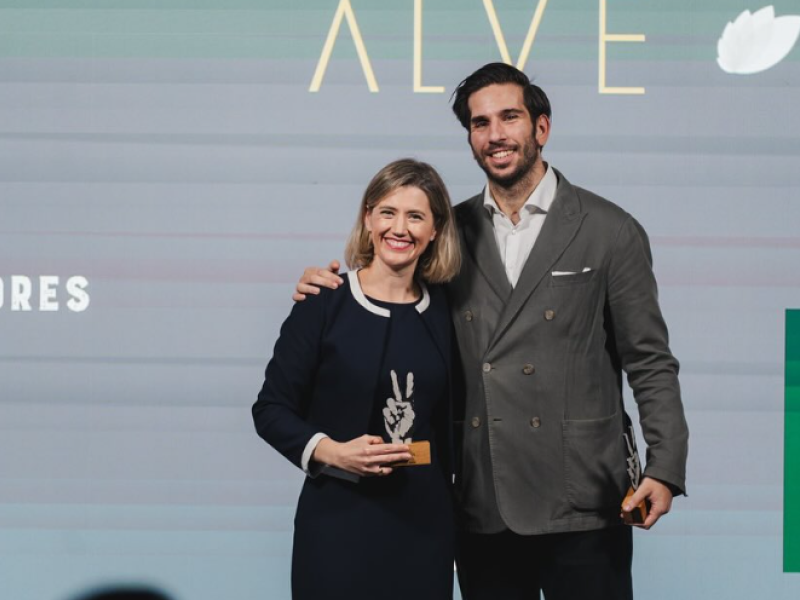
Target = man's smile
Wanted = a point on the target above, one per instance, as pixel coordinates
(500, 157)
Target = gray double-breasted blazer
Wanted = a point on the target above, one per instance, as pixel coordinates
(540, 422)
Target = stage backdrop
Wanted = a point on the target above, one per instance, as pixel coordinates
(168, 167)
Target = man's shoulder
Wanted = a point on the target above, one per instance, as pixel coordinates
(470, 203)
(596, 203)
(590, 202)
(606, 218)
(466, 210)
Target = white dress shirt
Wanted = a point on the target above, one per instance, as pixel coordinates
(516, 241)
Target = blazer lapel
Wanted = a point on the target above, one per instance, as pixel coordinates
(481, 244)
(559, 229)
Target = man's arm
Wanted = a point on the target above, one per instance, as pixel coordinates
(315, 277)
(642, 342)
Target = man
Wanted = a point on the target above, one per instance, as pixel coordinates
(555, 298)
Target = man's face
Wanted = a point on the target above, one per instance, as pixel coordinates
(502, 134)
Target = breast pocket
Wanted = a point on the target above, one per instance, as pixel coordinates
(562, 278)
(575, 298)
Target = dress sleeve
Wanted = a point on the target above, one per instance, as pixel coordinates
(281, 410)
(312, 468)
(641, 338)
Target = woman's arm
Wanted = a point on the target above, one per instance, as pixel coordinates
(280, 413)
(281, 409)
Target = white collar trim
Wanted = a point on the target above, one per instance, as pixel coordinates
(360, 297)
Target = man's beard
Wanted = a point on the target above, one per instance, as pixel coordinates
(530, 152)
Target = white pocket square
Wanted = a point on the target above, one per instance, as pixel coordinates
(562, 273)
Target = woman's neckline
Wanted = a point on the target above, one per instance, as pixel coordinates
(391, 304)
(421, 305)
(415, 291)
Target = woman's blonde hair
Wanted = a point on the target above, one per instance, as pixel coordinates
(442, 258)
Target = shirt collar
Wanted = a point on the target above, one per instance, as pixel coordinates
(540, 199)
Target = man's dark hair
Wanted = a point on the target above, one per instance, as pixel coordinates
(533, 96)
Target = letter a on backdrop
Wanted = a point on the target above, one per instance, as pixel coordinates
(344, 10)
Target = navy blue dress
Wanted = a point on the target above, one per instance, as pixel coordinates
(387, 537)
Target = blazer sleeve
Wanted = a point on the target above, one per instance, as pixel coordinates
(642, 343)
(281, 410)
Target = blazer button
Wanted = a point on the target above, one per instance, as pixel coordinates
(536, 422)
(476, 422)
(528, 369)
(468, 316)
(549, 315)
(487, 367)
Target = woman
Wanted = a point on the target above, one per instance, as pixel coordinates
(358, 373)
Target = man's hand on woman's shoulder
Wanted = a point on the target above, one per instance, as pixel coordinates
(315, 278)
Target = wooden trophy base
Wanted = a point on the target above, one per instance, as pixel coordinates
(420, 455)
(639, 513)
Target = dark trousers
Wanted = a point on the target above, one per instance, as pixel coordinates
(581, 565)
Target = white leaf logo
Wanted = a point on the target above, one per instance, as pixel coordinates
(755, 42)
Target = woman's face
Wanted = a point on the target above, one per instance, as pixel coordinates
(401, 226)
